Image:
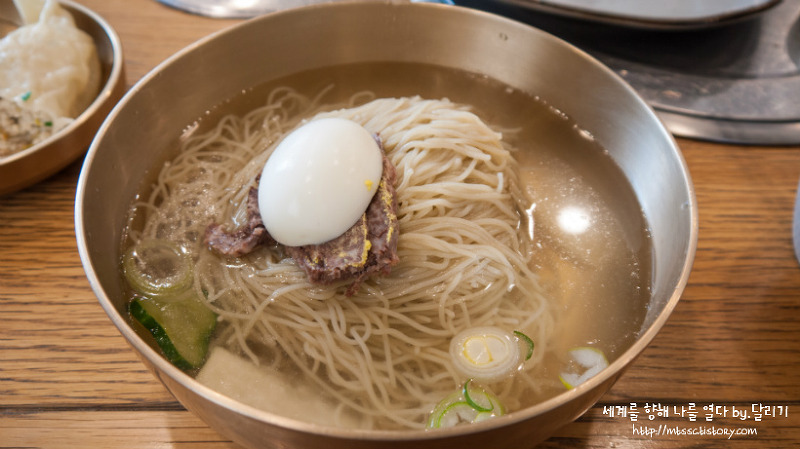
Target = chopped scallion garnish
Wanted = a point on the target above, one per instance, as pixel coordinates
(472, 403)
(485, 353)
(26, 96)
(527, 341)
(585, 362)
(460, 407)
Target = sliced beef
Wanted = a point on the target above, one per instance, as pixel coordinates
(243, 240)
(368, 247)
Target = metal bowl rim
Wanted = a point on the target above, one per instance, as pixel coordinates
(163, 366)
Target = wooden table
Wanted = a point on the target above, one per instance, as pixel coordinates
(69, 380)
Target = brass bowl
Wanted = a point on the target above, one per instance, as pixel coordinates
(44, 159)
(211, 71)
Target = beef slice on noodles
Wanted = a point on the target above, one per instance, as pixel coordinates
(368, 247)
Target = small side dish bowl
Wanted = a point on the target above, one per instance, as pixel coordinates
(44, 159)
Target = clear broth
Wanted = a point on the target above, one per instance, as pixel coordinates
(592, 248)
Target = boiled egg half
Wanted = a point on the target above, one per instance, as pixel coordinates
(318, 181)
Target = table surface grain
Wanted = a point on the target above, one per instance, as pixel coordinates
(69, 380)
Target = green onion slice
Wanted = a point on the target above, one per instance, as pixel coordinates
(585, 362)
(472, 403)
(26, 96)
(485, 353)
(528, 342)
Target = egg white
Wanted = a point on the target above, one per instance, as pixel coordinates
(319, 181)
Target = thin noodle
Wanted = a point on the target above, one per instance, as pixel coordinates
(382, 353)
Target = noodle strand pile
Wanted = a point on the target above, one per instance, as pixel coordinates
(381, 354)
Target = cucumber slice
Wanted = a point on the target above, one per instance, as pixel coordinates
(181, 329)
